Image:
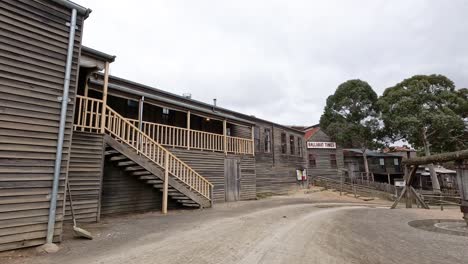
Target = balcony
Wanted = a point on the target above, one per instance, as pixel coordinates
(88, 119)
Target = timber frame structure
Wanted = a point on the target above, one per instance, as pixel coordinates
(461, 159)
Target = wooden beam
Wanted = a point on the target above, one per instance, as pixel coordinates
(403, 192)
(418, 198)
(253, 140)
(104, 97)
(188, 130)
(225, 136)
(438, 158)
(166, 183)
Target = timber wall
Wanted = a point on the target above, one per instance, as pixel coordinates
(125, 193)
(33, 50)
(276, 172)
(211, 166)
(85, 176)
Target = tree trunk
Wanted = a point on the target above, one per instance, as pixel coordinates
(366, 163)
(434, 179)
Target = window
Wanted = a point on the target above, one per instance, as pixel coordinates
(284, 144)
(299, 146)
(312, 162)
(292, 145)
(165, 116)
(257, 139)
(267, 140)
(396, 163)
(382, 163)
(333, 163)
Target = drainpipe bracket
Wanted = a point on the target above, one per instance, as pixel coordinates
(60, 99)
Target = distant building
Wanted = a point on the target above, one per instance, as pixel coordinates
(447, 178)
(324, 157)
(403, 151)
(383, 167)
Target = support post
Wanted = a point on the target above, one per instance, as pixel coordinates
(462, 182)
(104, 97)
(86, 88)
(140, 112)
(140, 120)
(166, 183)
(253, 140)
(188, 130)
(225, 136)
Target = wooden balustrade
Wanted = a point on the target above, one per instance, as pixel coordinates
(239, 145)
(88, 114)
(200, 140)
(126, 132)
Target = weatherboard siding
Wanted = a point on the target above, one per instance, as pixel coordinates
(276, 172)
(33, 50)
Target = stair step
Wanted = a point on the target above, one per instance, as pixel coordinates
(125, 163)
(110, 152)
(149, 177)
(155, 182)
(117, 158)
(134, 168)
(141, 173)
(182, 197)
(190, 205)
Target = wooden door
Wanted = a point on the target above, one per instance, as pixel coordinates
(232, 179)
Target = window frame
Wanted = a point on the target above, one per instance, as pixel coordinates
(257, 139)
(292, 144)
(284, 143)
(267, 140)
(333, 161)
(314, 165)
(299, 146)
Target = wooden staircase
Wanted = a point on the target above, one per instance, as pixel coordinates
(140, 156)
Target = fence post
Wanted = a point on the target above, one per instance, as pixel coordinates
(166, 183)
(104, 98)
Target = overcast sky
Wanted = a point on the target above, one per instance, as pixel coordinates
(278, 60)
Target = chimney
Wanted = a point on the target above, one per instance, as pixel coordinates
(214, 104)
(187, 95)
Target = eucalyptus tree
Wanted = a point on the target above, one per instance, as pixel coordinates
(425, 110)
(350, 117)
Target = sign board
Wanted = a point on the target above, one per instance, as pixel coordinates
(400, 183)
(321, 145)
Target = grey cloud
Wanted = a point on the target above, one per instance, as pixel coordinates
(279, 60)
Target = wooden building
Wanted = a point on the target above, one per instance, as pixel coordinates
(34, 47)
(383, 167)
(126, 146)
(324, 157)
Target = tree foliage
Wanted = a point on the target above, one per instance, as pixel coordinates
(426, 111)
(350, 115)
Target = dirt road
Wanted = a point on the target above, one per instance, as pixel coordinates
(316, 228)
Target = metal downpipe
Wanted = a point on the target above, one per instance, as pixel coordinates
(63, 117)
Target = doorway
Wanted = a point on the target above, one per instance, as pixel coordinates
(232, 179)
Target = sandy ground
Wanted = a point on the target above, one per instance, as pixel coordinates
(318, 227)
